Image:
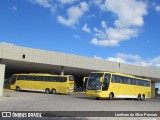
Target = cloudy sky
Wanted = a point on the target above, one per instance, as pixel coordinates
(126, 31)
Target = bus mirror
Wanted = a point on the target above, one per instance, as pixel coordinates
(85, 79)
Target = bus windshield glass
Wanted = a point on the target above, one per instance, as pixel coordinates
(93, 82)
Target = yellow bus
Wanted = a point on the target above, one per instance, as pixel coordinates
(47, 83)
(115, 85)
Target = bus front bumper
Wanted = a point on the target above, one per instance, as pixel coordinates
(101, 94)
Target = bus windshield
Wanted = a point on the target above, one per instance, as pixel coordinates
(93, 82)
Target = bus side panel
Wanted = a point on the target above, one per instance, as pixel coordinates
(27, 85)
(13, 87)
(114, 87)
(39, 85)
(20, 83)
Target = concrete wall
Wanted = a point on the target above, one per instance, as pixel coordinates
(2, 72)
(13, 52)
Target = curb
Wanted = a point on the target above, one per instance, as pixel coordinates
(7, 90)
(78, 92)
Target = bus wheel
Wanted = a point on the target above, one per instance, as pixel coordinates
(17, 88)
(143, 97)
(139, 97)
(47, 90)
(53, 91)
(111, 96)
(97, 98)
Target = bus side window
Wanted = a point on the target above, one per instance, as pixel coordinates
(53, 79)
(132, 81)
(148, 84)
(20, 77)
(121, 79)
(49, 79)
(64, 79)
(117, 79)
(129, 81)
(59, 79)
(113, 78)
(39, 78)
(137, 82)
(43, 78)
(124, 80)
(46, 78)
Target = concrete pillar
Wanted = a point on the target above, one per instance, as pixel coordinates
(62, 70)
(152, 90)
(2, 73)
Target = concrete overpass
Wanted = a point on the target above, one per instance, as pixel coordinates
(19, 59)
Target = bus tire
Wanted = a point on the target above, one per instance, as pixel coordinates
(139, 97)
(53, 91)
(47, 90)
(97, 98)
(143, 97)
(111, 96)
(17, 88)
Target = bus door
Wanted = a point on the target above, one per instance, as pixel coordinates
(106, 82)
(71, 83)
(63, 84)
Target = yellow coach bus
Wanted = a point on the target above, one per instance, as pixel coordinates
(47, 83)
(115, 85)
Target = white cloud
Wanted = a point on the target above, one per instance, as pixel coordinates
(116, 60)
(129, 18)
(74, 13)
(157, 8)
(45, 3)
(95, 41)
(156, 60)
(112, 36)
(76, 36)
(130, 57)
(68, 1)
(97, 2)
(7, 43)
(96, 57)
(14, 8)
(134, 60)
(129, 12)
(90, 16)
(120, 34)
(86, 28)
(84, 6)
(104, 25)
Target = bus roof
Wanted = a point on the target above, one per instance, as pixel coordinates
(41, 74)
(122, 74)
